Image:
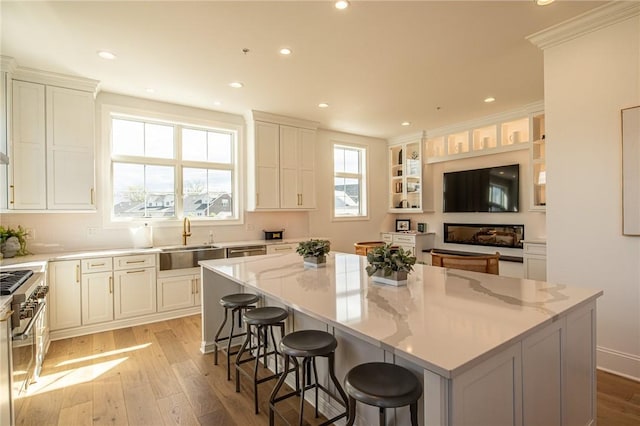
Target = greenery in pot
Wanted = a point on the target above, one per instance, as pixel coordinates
(20, 234)
(313, 248)
(389, 259)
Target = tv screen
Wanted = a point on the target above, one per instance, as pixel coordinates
(493, 189)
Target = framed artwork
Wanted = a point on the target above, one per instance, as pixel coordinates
(403, 225)
(630, 118)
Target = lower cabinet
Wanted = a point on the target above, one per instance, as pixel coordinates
(65, 292)
(178, 291)
(535, 260)
(97, 297)
(135, 292)
(414, 242)
(281, 248)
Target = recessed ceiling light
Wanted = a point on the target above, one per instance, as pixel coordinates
(236, 84)
(405, 123)
(544, 2)
(150, 90)
(342, 4)
(285, 51)
(323, 105)
(106, 55)
(489, 99)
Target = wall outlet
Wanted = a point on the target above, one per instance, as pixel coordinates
(250, 227)
(92, 231)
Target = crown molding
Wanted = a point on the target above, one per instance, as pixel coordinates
(283, 119)
(593, 20)
(413, 137)
(56, 79)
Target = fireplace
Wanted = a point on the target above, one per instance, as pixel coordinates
(510, 236)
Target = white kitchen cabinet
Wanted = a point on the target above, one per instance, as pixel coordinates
(281, 165)
(70, 149)
(27, 150)
(535, 260)
(297, 168)
(281, 248)
(178, 292)
(65, 291)
(415, 242)
(50, 142)
(135, 285)
(97, 290)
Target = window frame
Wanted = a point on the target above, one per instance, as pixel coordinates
(179, 122)
(363, 178)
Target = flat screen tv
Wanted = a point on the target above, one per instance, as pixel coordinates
(492, 189)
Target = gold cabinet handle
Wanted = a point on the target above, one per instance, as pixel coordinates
(110, 285)
(195, 282)
(78, 273)
(93, 201)
(137, 271)
(193, 286)
(13, 194)
(129, 262)
(94, 265)
(257, 199)
(6, 316)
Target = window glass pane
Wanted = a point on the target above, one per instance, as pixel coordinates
(143, 191)
(347, 197)
(338, 160)
(194, 145)
(158, 140)
(127, 137)
(208, 193)
(351, 161)
(220, 147)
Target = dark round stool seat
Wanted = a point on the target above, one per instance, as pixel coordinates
(231, 301)
(265, 316)
(306, 343)
(383, 385)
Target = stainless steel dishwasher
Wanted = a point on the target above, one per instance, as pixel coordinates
(243, 251)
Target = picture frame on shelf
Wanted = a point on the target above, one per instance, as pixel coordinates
(403, 225)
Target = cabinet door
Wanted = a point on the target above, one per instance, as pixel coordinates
(97, 297)
(197, 286)
(307, 170)
(135, 292)
(176, 293)
(27, 180)
(267, 165)
(289, 167)
(65, 294)
(70, 141)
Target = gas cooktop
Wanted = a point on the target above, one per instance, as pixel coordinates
(10, 281)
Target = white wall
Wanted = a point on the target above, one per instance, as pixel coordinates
(343, 234)
(587, 81)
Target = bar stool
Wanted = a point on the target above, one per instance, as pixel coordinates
(264, 320)
(237, 303)
(384, 386)
(307, 344)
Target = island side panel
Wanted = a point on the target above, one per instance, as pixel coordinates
(214, 286)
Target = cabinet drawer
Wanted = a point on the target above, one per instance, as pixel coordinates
(387, 238)
(539, 249)
(404, 239)
(135, 261)
(280, 248)
(98, 264)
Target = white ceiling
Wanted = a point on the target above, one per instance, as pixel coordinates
(377, 63)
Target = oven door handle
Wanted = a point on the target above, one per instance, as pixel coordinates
(25, 334)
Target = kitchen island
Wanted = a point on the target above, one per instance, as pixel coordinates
(489, 350)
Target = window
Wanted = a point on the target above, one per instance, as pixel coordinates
(170, 170)
(349, 178)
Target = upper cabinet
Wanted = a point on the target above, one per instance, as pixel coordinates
(281, 163)
(50, 142)
(407, 181)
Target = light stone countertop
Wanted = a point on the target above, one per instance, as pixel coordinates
(444, 320)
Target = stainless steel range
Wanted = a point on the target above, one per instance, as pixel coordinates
(30, 334)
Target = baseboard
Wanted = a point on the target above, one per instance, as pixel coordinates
(620, 363)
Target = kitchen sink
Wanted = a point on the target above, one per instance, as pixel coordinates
(181, 257)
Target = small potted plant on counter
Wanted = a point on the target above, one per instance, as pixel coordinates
(314, 252)
(390, 265)
(13, 241)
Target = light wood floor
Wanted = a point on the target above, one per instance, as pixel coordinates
(154, 374)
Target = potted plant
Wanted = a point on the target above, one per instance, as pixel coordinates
(314, 251)
(13, 241)
(390, 265)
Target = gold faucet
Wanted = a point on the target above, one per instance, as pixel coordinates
(186, 230)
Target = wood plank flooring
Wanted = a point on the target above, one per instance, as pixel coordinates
(154, 374)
